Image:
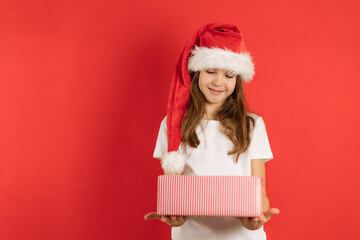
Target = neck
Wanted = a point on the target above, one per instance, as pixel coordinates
(211, 111)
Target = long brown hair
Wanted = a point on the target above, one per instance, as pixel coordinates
(234, 122)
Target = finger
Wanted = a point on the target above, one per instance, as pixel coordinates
(166, 219)
(274, 211)
(183, 219)
(256, 220)
(174, 220)
(259, 218)
(263, 219)
(171, 221)
(270, 212)
(152, 215)
(251, 223)
(179, 220)
(247, 220)
(267, 216)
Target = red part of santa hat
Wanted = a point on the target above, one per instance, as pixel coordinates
(214, 45)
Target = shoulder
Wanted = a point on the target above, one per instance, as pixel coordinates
(259, 127)
(253, 115)
(257, 118)
(164, 122)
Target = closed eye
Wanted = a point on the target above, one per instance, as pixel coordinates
(210, 72)
(229, 76)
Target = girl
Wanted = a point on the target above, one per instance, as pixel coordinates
(208, 124)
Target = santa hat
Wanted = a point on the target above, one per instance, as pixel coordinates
(214, 45)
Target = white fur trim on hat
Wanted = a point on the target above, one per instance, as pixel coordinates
(173, 163)
(238, 63)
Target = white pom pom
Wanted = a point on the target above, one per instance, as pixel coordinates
(173, 163)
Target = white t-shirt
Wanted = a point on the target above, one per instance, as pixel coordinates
(210, 158)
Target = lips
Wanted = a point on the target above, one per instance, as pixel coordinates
(215, 91)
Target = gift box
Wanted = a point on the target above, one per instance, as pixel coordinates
(185, 195)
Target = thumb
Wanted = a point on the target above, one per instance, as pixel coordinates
(152, 215)
(270, 212)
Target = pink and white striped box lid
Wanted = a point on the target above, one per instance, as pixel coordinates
(186, 195)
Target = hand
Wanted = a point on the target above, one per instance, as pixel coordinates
(173, 221)
(257, 222)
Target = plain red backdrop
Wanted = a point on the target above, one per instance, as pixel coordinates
(84, 86)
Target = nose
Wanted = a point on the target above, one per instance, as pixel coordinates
(217, 80)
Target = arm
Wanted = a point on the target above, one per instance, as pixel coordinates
(258, 169)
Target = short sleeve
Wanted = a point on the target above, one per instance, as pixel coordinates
(260, 146)
(161, 146)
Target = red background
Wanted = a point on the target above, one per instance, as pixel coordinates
(84, 86)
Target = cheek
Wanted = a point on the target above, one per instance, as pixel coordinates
(204, 82)
(201, 86)
(231, 86)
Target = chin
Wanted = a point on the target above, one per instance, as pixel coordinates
(216, 102)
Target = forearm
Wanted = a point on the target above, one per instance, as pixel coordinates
(265, 204)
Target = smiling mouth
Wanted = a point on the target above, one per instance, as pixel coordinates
(216, 92)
